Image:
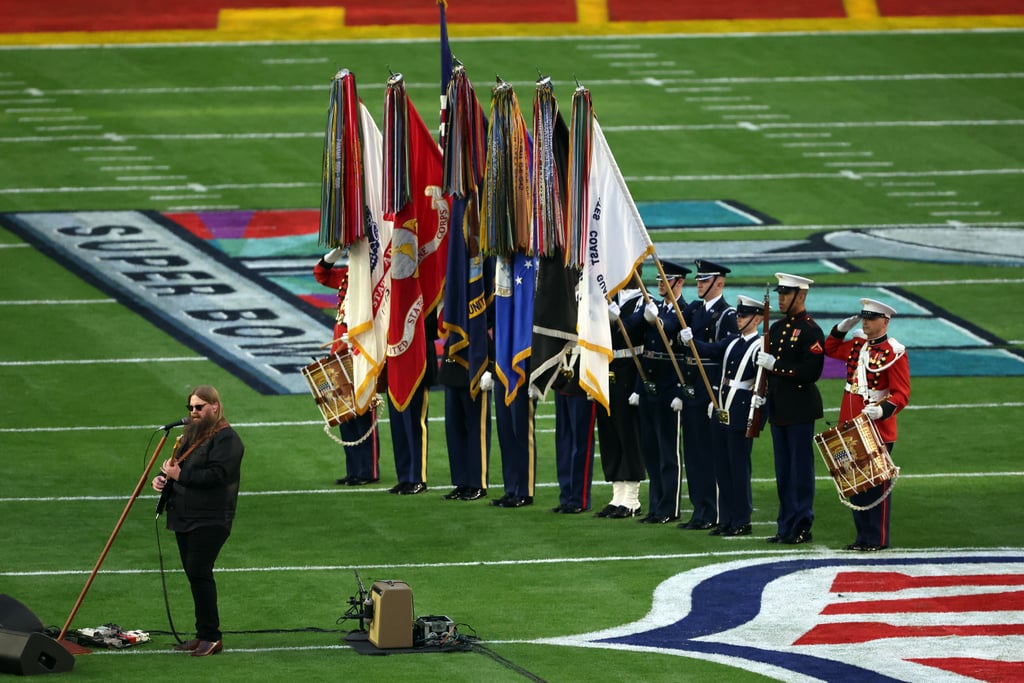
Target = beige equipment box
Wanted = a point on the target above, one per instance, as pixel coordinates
(391, 625)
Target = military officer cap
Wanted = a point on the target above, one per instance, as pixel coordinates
(673, 270)
(871, 309)
(788, 282)
(747, 306)
(708, 269)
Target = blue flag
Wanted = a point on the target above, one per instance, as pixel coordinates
(515, 281)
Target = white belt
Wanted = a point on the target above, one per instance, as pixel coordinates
(870, 395)
(626, 353)
(740, 384)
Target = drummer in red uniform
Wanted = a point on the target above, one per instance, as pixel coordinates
(359, 434)
(877, 385)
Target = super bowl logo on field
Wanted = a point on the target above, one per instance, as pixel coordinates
(901, 617)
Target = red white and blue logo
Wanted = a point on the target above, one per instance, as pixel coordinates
(952, 616)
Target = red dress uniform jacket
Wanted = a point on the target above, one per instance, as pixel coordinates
(335, 277)
(886, 374)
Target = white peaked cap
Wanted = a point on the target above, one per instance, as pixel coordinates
(745, 303)
(872, 306)
(787, 280)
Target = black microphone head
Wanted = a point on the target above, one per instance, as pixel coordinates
(183, 421)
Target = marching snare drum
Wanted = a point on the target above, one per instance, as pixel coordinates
(856, 456)
(330, 380)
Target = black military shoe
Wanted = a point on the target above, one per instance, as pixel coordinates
(473, 494)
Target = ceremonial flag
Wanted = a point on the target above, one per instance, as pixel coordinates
(554, 321)
(412, 199)
(507, 232)
(506, 211)
(515, 281)
(447, 65)
(368, 301)
(614, 237)
(554, 300)
(469, 282)
(342, 185)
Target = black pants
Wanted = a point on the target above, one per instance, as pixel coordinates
(199, 549)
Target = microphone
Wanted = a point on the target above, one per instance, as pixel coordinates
(183, 421)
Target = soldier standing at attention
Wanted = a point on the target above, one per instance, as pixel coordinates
(794, 360)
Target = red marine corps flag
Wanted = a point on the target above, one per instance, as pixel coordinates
(414, 203)
(608, 239)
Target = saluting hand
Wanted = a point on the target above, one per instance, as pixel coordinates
(848, 324)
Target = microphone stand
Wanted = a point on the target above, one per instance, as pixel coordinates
(110, 541)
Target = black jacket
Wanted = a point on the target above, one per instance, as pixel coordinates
(206, 492)
(798, 346)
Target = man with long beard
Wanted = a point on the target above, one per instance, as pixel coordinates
(199, 490)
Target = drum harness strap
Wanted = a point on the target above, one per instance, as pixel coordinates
(373, 423)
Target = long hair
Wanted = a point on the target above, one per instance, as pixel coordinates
(208, 394)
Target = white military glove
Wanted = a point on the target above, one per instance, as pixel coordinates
(486, 381)
(685, 335)
(765, 360)
(333, 255)
(613, 311)
(872, 411)
(634, 399)
(758, 401)
(848, 324)
(534, 392)
(677, 404)
(651, 312)
(711, 410)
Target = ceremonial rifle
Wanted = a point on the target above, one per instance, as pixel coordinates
(754, 420)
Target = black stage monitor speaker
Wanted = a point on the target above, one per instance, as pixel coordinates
(26, 654)
(15, 616)
(391, 624)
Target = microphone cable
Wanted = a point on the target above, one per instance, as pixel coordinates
(163, 582)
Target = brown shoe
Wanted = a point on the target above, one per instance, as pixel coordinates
(187, 646)
(207, 647)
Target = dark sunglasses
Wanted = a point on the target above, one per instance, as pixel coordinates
(198, 406)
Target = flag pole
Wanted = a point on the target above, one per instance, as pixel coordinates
(693, 347)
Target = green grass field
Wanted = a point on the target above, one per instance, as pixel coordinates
(908, 142)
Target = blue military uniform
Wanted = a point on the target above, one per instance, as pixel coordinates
(409, 427)
(659, 422)
(729, 424)
(515, 425)
(710, 322)
(575, 419)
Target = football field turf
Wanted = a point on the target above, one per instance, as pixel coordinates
(883, 164)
